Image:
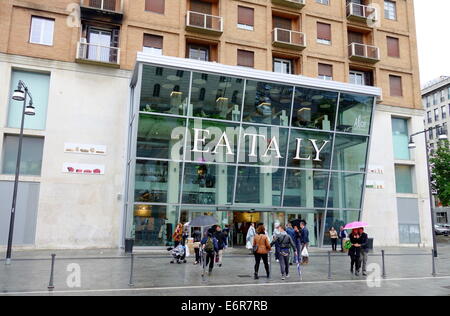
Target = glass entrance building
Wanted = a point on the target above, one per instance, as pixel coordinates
(244, 146)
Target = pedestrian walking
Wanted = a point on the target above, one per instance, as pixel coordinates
(285, 241)
(261, 249)
(222, 243)
(305, 242)
(298, 244)
(197, 236)
(251, 233)
(342, 236)
(364, 251)
(276, 232)
(355, 251)
(291, 232)
(178, 235)
(334, 238)
(211, 248)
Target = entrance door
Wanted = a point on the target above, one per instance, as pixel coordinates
(241, 224)
(99, 45)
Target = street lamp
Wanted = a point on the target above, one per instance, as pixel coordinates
(20, 94)
(441, 136)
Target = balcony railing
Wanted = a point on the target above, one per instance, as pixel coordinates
(363, 52)
(290, 3)
(288, 39)
(361, 12)
(94, 54)
(204, 23)
(104, 5)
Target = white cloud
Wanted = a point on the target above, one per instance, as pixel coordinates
(432, 18)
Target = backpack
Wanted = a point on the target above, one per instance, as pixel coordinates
(209, 245)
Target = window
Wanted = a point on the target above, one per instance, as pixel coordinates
(283, 66)
(245, 58)
(444, 128)
(429, 101)
(393, 47)
(357, 77)
(400, 137)
(156, 6)
(245, 18)
(443, 95)
(436, 115)
(444, 112)
(39, 87)
(435, 98)
(42, 31)
(403, 179)
(153, 44)
(199, 52)
(325, 2)
(390, 10)
(396, 86)
(31, 162)
(430, 119)
(325, 72)
(430, 134)
(323, 33)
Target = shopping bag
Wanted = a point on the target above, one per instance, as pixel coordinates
(305, 253)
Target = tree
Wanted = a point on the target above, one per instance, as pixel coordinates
(441, 172)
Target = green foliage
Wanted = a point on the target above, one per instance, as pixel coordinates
(441, 172)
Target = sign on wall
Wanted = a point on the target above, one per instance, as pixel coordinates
(87, 149)
(87, 169)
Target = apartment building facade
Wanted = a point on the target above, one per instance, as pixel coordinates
(436, 102)
(79, 56)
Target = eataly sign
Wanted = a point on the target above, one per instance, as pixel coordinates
(201, 135)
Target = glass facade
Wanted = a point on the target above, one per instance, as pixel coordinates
(243, 151)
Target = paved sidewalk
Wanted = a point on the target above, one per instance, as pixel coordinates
(107, 272)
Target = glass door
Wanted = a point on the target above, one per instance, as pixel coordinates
(99, 45)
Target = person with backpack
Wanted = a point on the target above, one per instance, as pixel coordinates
(261, 249)
(210, 247)
(285, 241)
(222, 243)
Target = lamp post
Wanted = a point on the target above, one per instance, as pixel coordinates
(412, 145)
(19, 95)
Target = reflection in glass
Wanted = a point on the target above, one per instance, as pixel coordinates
(154, 225)
(216, 97)
(164, 90)
(313, 219)
(345, 190)
(263, 145)
(350, 153)
(219, 145)
(305, 188)
(157, 181)
(310, 150)
(315, 109)
(208, 184)
(261, 186)
(267, 103)
(160, 137)
(355, 113)
(337, 219)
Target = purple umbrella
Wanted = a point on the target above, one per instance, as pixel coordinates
(355, 225)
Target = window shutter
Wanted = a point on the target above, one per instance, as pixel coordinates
(113, 57)
(246, 16)
(282, 23)
(396, 86)
(325, 70)
(354, 37)
(324, 31)
(393, 47)
(154, 41)
(201, 7)
(156, 6)
(245, 58)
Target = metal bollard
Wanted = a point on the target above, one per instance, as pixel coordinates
(131, 271)
(329, 265)
(270, 265)
(51, 285)
(433, 262)
(384, 266)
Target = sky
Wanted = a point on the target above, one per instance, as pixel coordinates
(433, 37)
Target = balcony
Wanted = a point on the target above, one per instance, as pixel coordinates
(288, 39)
(102, 10)
(363, 53)
(297, 4)
(361, 13)
(204, 23)
(98, 55)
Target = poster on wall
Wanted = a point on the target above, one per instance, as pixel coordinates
(87, 149)
(377, 185)
(87, 169)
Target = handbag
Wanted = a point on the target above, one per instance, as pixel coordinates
(305, 253)
(255, 247)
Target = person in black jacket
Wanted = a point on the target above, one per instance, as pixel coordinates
(364, 251)
(355, 251)
(285, 243)
(197, 236)
(222, 243)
